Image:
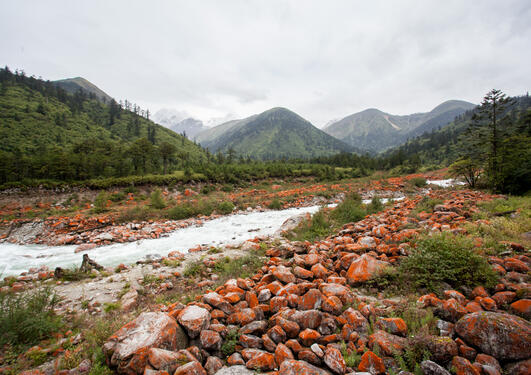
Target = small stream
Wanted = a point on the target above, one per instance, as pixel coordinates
(232, 229)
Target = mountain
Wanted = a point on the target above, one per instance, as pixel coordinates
(273, 134)
(72, 85)
(375, 131)
(179, 122)
(441, 147)
(56, 135)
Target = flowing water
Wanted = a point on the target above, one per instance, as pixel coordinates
(232, 229)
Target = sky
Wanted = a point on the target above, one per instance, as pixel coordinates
(231, 59)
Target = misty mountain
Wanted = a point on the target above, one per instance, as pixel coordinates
(375, 131)
(273, 134)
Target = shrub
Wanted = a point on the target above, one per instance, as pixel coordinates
(117, 197)
(319, 226)
(156, 200)
(446, 258)
(100, 202)
(275, 204)
(376, 205)
(192, 268)
(225, 208)
(418, 181)
(134, 214)
(28, 317)
(350, 210)
(179, 212)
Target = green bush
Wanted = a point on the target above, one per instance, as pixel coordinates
(225, 208)
(319, 226)
(275, 204)
(446, 258)
(28, 317)
(135, 214)
(350, 210)
(418, 181)
(156, 200)
(376, 205)
(100, 202)
(229, 345)
(182, 211)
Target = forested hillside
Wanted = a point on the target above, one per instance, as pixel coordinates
(274, 134)
(49, 133)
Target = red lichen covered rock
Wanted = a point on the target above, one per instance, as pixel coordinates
(293, 367)
(191, 368)
(371, 363)
(194, 319)
(503, 336)
(334, 360)
(262, 362)
(364, 268)
(128, 348)
(395, 326)
(462, 366)
(388, 344)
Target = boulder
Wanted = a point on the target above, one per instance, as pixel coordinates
(235, 370)
(293, 367)
(334, 360)
(128, 348)
(432, 368)
(194, 319)
(371, 363)
(503, 336)
(364, 268)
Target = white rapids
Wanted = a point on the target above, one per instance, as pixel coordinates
(445, 183)
(226, 230)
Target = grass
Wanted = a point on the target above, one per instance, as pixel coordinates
(28, 317)
(426, 204)
(418, 181)
(325, 221)
(156, 200)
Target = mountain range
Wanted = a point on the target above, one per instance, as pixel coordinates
(375, 131)
(281, 133)
(275, 133)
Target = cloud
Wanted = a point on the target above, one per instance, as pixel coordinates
(323, 60)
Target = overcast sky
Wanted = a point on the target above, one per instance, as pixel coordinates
(322, 59)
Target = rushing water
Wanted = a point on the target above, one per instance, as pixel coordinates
(232, 229)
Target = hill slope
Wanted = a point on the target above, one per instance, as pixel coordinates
(375, 131)
(273, 134)
(72, 85)
(40, 122)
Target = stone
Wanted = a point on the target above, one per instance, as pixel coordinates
(282, 353)
(262, 362)
(522, 307)
(364, 268)
(213, 365)
(210, 340)
(165, 360)
(371, 363)
(307, 319)
(309, 336)
(294, 367)
(194, 319)
(443, 349)
(462, 366)
(127, 349)
(389, 344)
(335, 361)
(191, 368)
(311, 300)
(218, 302)
(503, 336)
(395, 326)
(518, 368)
(283, 274)
(235, 370)
(432, 368)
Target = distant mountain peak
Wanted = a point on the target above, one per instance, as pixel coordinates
(72, 85)
(375, 131)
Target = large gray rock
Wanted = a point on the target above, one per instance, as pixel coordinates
(432, 368)
(503, 336)
(194, 319)
(235, 370)
(126, 350)
(293, 367)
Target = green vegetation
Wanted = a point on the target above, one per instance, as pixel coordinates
(28, 317)
(326, 221)
(229, 344)
(156, 200)
(446, 258)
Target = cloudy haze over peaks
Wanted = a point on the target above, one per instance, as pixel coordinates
(231, 59)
